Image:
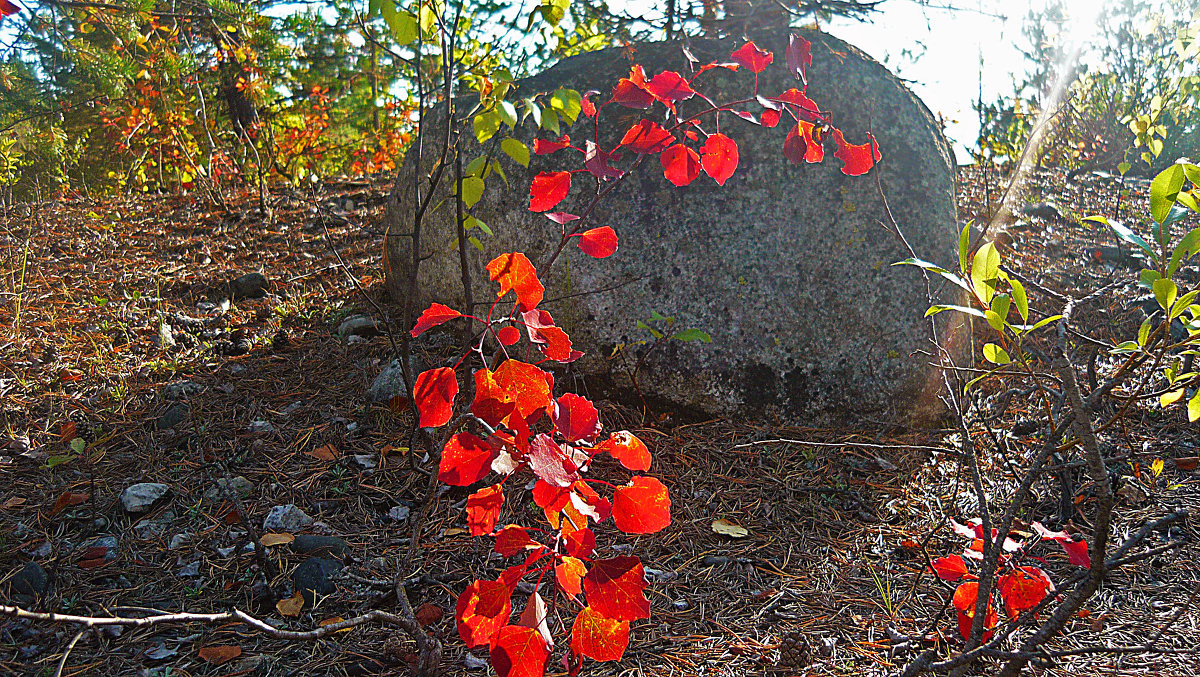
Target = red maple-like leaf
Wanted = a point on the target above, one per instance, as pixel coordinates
(434, 394)
(587, 501)
(7, 8)
(548, 189)
(770, 118)
(513, 539)
(753, 58)
(482, 610)
(580, 543)
(434, 315)
(670, 87)
(615, 588)
(807, 109)
(799, 57)
(1023, 588)
(529, 386)
(681, 165)
(519, 652)
(964, 600)
(466, 459)
(631, 92)
(493, 403)
(514, 272)
(597, 162)
(858, 159)
(550, 339)
(575, 417)
(647, 137)
(801, 146)
(598, 242)
(585, 102)
(1077, 550)
(569, 573)
(720, 157)
(950, 568)
(546, 146)
(597, 637)
(508, 335)
(549, 463)
(628, 450)
(483, 509)
(642, 506)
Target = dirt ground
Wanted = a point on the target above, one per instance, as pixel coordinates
(264, 394)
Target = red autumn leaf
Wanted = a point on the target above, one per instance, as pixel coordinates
(950, 568)
(575, 418)
(587, 501)
(800, 146)
(483, 509)
(642, 506)
(434, 394)
(548, 189)
(809, 110)
(669, 87)
(7, 8)
(569, 573)
(580, 543)
(1077, 550)
(493, 403)
(858, 160)
(546, 146)
(720, 157)
(535, 617)
(219, 655)
(515, 272)
(508, 335)
(681, 165)
(549, 463)
(67, 499)
(513, 539)
(597, 637)
(598, 242)
(799, 57)
(434, 315)
(964, 600)
(627, 449)
(616, 589)
(549, 497)
(556, 345)
(753, 58)
(528, 386)
(597, 162)
(482, 610)
(647, 137)
(631, 92)
(562, 218)
(1023, 588)
(585, 102)
(466, 459)
(770, 118)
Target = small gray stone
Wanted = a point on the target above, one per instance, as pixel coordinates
(355, 340)
(473, 662)
(139, 498)
(179, 540)
(399, 513)
(109, 543)
(261, 427)
(29, 583)
(358, 325)
(287, 518)
(366, 461)
(389, 383)
(41, 550)
(148, 528)
(310, 544)
(165, 337)
(315, 574)
(181, 390)
(172, 417)
(190, 570)
(239, 486)
(248, 286)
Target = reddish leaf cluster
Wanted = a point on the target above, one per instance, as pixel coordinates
(1019, 587)
(514, 402)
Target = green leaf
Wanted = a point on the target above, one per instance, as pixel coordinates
(402, 24)
(934, 268)
(1192, 171)
(1020, 299)
(516, 150)
(567, 102)
(59, 459)
(1126, 347)
(1148, 277)
(1144, 333)
(486, 125)
(964, 244)
(985, 272)
(472, 190)
(1000, 305)
(1194, 408)
(78, 445)
(656, 316)
(484, 227)
(428, 18)
(532, 108)
(475, 242)
(995, 354)
(993, 319)
(1183, 303)
(1040, 323)
(974, 312)
(550, 121)
(1163, 190)
(1123, 167)
(692, 335)
(1165, 292)
(1122, 231)
(507, 113)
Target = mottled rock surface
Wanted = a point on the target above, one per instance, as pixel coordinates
(786, 267)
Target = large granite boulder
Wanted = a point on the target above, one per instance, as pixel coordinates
(787, 267)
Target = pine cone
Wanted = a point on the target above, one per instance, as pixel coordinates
(794, 651)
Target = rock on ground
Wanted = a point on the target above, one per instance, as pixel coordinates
(139, 498)
(286, 518)
(786, 266)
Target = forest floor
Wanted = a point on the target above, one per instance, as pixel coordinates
(264, 396)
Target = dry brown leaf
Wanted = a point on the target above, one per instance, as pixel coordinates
(66, 500)
(429, 614)
(66, 431)
(727, 528)
(291, 606)
(13, 502)
(270, 540)
(325, 452)
(216, 655)
(455, 531)
(1187, 463)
